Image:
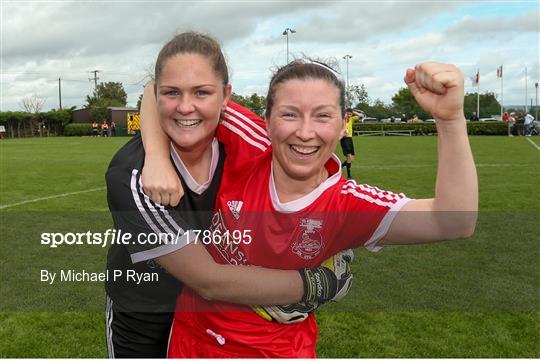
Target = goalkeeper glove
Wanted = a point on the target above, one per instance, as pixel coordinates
(333, 278)
(297, 312)
(329, 282)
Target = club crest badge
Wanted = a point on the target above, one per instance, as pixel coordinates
(308, 242)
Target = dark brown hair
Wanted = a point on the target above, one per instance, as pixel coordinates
(305, 69)
(194, 43)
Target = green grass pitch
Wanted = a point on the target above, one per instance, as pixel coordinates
(472, 298)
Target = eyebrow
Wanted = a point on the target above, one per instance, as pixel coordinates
(319, 107)
(195, 87)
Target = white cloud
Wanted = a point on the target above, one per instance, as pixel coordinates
(44, 41)
(501, 28)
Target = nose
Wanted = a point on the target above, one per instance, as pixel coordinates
(185, 105)
(305, 129)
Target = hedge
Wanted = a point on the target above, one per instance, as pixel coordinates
(78, 129)
(474, 128)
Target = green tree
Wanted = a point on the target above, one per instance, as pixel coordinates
(378, 110)
(256, 103)
(489, 105)
(357, 94)
(109, 94)
(237, 98)
(139, 101)
(57, 119)
(13, 121)
(404, 102)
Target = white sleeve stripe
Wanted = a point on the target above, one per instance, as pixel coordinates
(161, 250)
(244, 136)
(384, 226)
(247, 120)
(151, 204)
(368, 198)
(249, 130)
(138, 202)
(108, 327)
(165, 249)
(376, 192)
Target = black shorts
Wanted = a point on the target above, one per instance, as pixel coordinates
(347, 146)
(137, 334)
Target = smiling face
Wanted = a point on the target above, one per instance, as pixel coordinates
(304, 127)
(190, 98)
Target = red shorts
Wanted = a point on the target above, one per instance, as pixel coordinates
(189, 340)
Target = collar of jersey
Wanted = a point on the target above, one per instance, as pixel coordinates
(188, 179)
(305, 201)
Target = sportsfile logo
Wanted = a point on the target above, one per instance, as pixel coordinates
(235, 207)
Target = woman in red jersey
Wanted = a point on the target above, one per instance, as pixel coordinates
(299, 209)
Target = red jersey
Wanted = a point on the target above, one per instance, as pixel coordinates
(258, 229)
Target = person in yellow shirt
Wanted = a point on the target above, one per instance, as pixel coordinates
(346, 141)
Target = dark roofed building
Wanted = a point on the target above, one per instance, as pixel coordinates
(117, 114)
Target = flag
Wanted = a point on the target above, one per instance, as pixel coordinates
(476, 78)
(499, 72)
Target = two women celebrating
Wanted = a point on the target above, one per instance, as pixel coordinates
(282, 183)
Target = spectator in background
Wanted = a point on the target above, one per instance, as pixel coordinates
(505, 118)
(95, 129)
(104, 129)
(113, 128)
(512, 128)
(474, 117)
(527, 124)
(520, 123)
(403, 118)
(415, 119)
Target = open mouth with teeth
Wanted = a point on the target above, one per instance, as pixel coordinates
(302, 150)
(188, 123)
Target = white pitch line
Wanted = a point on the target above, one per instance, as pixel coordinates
(434, 166)
(51, 197)
(361, 166)
(534, 144)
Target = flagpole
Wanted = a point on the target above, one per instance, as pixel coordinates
(502, 99)
(525, 89)
(478, 93)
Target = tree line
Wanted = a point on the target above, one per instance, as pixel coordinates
(403, 102)
(31, 121)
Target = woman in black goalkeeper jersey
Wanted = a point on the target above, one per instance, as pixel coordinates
(192, 90)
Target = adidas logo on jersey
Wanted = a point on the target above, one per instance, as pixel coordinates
(235, 207)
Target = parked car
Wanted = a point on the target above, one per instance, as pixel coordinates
(430, 120)
(391, 120)
(488, 120)
(370, 120)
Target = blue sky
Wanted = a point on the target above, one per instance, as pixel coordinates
(46, 40)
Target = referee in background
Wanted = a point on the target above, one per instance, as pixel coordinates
(346, 141)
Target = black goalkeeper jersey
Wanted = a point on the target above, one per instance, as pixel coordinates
(135, 281)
